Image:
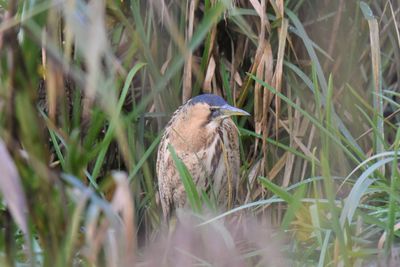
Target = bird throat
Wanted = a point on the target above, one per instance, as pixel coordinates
(192, 132)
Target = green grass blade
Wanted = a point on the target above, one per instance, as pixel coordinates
(187, 180)
(110, 131)
(393, 203)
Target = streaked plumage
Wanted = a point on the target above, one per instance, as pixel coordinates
(206, 139)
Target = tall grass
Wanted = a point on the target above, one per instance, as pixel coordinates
(86, 88)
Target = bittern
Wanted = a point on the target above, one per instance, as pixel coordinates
(206, 139)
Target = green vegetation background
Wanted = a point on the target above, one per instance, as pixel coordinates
(86, 88)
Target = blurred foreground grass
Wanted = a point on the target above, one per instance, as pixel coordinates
(86, 88)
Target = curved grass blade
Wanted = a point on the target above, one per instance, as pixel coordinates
(187, 180)
(359, 188)
(110, 131)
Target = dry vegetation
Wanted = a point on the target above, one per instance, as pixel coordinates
(86, 88)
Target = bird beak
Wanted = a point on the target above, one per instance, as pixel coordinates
(228, 110)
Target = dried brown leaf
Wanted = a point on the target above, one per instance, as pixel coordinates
(207, 86)
(257, 7)
(258, 67)
(168, 59)
(253, 174)
(187, 72)
(122, 203)
(279, 69)
(238, 79)
(298, 142)
(309, 143)
(395, 22)
(382, 239)
(280, 5)
(11, 189)
(267, 98)
(114, 233)
(294, 129)
(278, 166)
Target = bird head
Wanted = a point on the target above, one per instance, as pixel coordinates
(215, 107)
(197, 121)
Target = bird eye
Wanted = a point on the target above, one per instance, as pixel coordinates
(215, 112)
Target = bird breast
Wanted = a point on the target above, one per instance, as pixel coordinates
(207, 151)
(191, 132)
